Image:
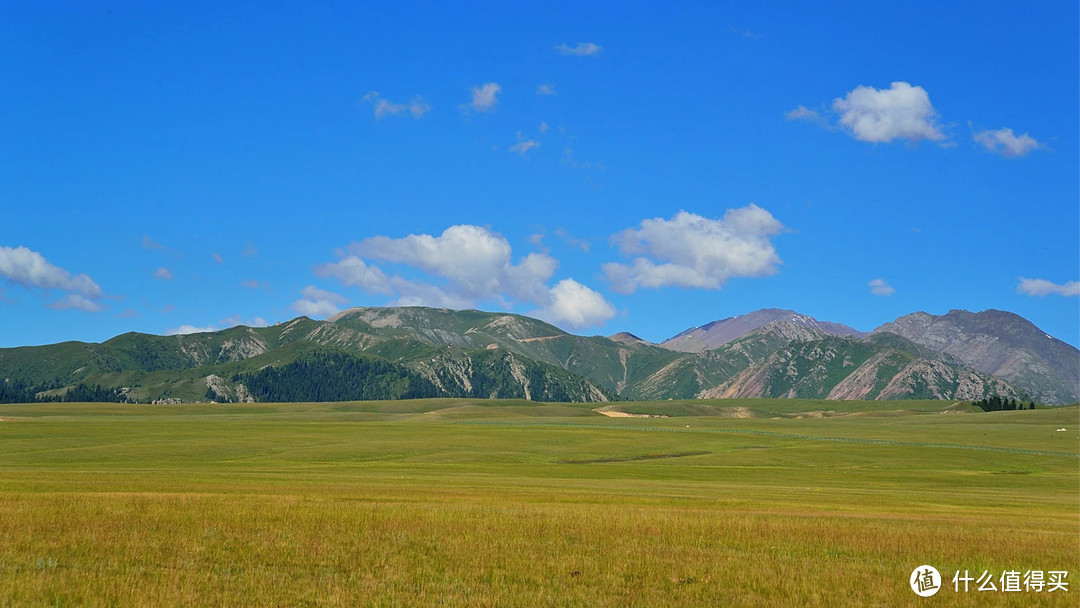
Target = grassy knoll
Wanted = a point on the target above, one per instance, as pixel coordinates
(508, 503)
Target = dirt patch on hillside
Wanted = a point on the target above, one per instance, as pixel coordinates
(736, 412)
(618, 414)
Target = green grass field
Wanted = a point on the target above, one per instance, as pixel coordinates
(504, 503)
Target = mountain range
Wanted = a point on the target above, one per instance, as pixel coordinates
(391, 353)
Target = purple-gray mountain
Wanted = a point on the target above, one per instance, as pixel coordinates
(718, 333)
(1002, 344)
(994, 342)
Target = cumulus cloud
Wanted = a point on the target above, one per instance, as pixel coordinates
(354, 272)
(163, 274)
(484, 97)
(575, 305)
(693, 251)
(582, 49)
(545, 89)
(319, 302)
(74, 300)
(417, 107)
(476, 260)
(1006, 143)
(879, 287)
(467, 264)
(418, 293)
(902, 111)
(30, 269)
(1042, 287)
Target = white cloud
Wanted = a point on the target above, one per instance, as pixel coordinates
(319, 302)
(575, 305)
(803, 113)
(163, 274)
(314, 293)
(484, 97)
(524, 145)
(30, 269)
(235, 320)
(902, 111)
(417, 293)
(470, 264)
(879, 287)
(353, 271)
(543, 127)
(583, 49)
(693, 251)
(1042, 287)
(185, 329)
(1005, 142)
(545, 89)
(74, 300)
(149, 243)
(417, 107)
(225, 323)
(476, 260)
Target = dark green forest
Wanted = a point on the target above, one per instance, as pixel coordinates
(336, 377)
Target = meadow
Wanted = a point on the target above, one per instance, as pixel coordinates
(513, 503)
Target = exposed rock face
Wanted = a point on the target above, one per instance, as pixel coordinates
(792, 361)
(718, 333)
(228, 392)
(239, 349)
(1002, 344)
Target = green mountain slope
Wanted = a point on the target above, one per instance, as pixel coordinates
(480, 354)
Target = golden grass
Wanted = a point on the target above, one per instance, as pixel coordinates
(302, 508)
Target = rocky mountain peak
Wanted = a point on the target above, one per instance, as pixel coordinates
(717, 333)
(1000, 343)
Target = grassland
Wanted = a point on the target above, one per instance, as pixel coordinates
(507, 503)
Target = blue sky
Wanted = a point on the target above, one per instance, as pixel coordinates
(643, 167)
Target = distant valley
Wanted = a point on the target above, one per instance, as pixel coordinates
(407, 352)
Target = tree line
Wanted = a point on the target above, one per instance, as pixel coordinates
(998, 404)
(17, 391)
